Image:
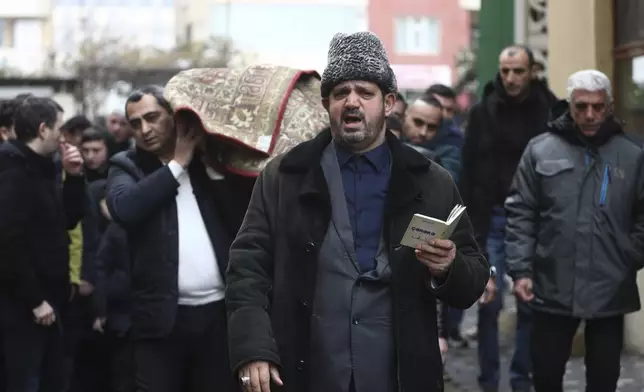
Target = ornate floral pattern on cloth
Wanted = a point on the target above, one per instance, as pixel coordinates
(262, 111)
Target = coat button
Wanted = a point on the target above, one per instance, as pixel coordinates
(300, 365)
(304, 304)
(356, 321)
(310, 247)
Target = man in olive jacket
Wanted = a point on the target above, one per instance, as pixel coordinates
(321, 296)
(575, 234)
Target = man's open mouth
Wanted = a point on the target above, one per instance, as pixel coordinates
(351, 119)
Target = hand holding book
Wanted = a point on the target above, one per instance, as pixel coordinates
(438, 256)
(430, 237)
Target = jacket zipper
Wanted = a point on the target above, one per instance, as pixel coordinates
(605, 182)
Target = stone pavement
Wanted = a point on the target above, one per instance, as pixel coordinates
(462, 366)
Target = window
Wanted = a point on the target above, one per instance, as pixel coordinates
(629, 64)
(417, 35)
(629, 27)
(629, 103)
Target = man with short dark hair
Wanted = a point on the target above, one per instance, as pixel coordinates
(74, 127)
(450, 139)
(399, 107)
(446, 96)
(117, 124)
(423, 122)
(34, 269)
(180, 217)
(89, 350)
(513, 110)
(7, 110)
(97, 147)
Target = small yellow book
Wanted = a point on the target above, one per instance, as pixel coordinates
(423, 228)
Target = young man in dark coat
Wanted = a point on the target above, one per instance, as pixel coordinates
(321, 295)
(34, 267)
(513, 110)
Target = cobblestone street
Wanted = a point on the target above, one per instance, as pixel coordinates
(462, 366)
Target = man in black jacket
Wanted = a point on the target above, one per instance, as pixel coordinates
(180, 218)
(34, 267)
(513, 110)
(113, 299)
(321, 295)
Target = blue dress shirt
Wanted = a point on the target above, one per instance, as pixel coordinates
(366, 181)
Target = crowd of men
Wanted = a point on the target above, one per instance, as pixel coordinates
(133, 261)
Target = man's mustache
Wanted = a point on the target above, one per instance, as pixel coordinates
(352, 113)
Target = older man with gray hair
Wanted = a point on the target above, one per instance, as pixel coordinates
(575, 234)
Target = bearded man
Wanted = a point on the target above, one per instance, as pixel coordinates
(321, 295)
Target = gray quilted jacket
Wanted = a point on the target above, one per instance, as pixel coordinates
(576, 219)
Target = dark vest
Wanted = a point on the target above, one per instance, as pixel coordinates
(352, 335)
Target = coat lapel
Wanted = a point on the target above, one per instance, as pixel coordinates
(407, 166)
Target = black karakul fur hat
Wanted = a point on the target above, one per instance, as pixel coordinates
(357, 56)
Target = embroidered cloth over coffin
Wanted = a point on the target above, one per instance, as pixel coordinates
(264, 110)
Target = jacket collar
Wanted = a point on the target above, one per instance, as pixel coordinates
(146, 161)
(407, 169)
(25, 156)
(307, 155)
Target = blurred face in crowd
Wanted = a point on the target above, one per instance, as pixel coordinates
(399, 110)
(448, 104)
(51, 138)
(152, 124)
(357, 111)
(7, 133)
(94, 154)
(117, 125)
(589, 110)
(537, 70)
(515, 71)
(73, 137)
(422, 122)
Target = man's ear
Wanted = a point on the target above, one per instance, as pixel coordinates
(389, 102)
(325, 103)
(41, 130)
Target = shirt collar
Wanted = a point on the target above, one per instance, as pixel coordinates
(379, 157)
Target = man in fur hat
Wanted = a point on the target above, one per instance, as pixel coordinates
(321, 297)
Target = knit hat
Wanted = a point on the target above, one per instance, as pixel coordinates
(357, 56)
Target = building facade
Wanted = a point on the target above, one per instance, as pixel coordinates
(423, 38)
(134, 23)
(25, 36)
(293, 33)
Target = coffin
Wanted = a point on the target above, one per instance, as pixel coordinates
(256, 112)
